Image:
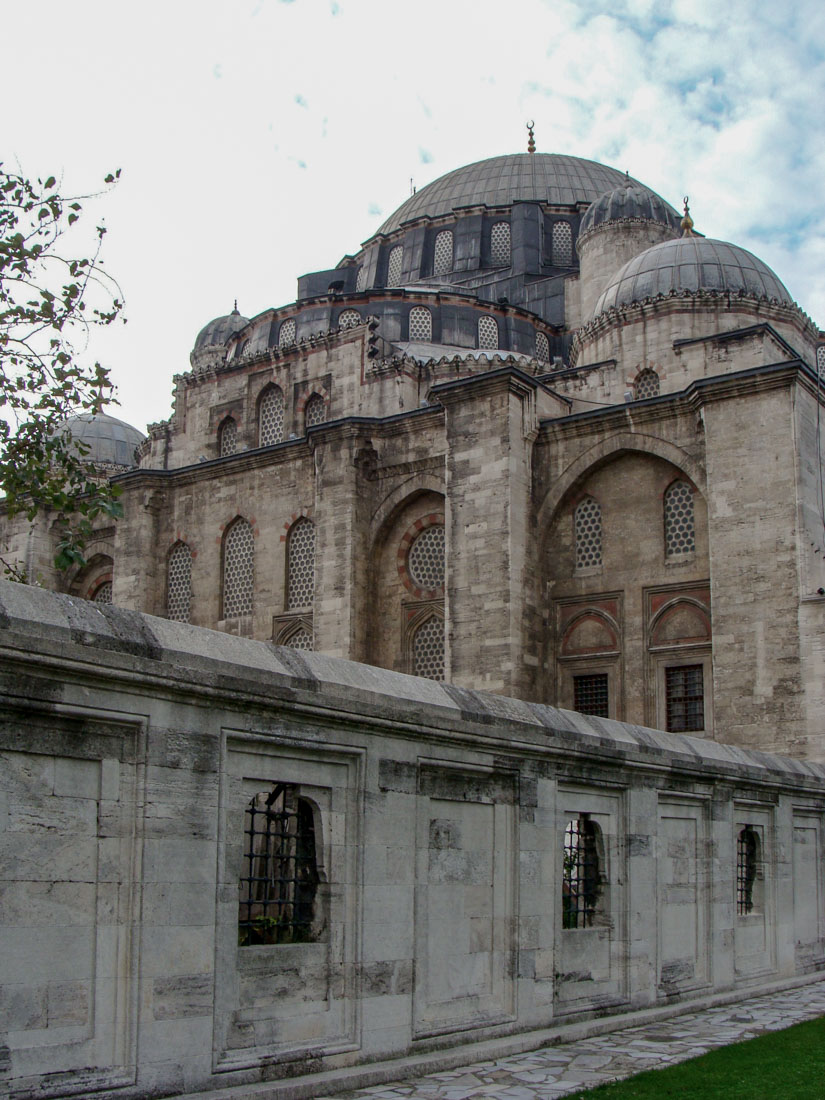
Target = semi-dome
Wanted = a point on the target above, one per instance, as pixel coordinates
(527, 177)
(691, 264)
(110, 442)
(218, 331)
(629, 201)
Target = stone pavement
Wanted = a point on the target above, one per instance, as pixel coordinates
(569, 1067)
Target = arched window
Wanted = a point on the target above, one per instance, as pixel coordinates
(680, 532)
(820, 360)
(227, 437)
(270, 417)
(542, 347)
(103, 593)
(500, 243)
(299, 639)
(588, 530)
(582, 874)
(315, 411)
(428, 649)
(562, 244)
(647, 384)
(179, 583)
(426, 560)
(349, 318)
(394, 266)
(421, 324)
(748, 871)
(279, 875)
(361, 280)
(487, 332)
(238, 569)
(443, 253)
(286, 333)
(300, 556)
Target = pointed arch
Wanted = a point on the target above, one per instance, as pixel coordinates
(179, 582)
(238, 569)
(270, 415)
(227, 437)
(300, 565)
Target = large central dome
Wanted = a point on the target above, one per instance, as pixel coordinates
(500, 181)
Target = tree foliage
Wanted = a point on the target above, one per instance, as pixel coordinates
(50, 303)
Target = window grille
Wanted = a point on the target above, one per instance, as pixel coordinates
(421, 324)
(394, 266)
(300, 565)
(103, 593)
(179, 583)
(286, 333)
(426, 558)
(315, 411)
(680, 532)
(361, 280)
(349, 318)
(500, 243)
(238, 569)
(542, 347)
(747, 869)
(279, 876)
(271, 417)
(300, 639)
(487, 332)
(647, 384)
(428, 649)
(562, 244)
(581, 876)
(588, 525)
(820, 360)
(685, 698)
(228, 437)
(443, 253)
(590, 694)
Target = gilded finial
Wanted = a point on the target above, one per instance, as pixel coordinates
(687, 221)
(531, 142)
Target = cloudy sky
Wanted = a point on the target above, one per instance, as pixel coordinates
(261, 139)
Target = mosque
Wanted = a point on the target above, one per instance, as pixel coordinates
(537, 436)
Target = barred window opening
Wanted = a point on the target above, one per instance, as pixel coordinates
(228, 437)
(500, 243)
(179, 583)
(582, 874)
(349, 318)
(588, 528)
(647, 384)
(271, 417)
(286, 333)
(421, 324)
(443, 253)
(238, 569)
(300, 639)
(590, 694)
(542, 347)
(279, 877)
(487, 332)
(748, 869)
(562, 244)
(361, 280)
(426, 560)
(103, 593)
(301, 565)
(394, 266)
(820, 360)
(680, 532)
(315, 411)
(685, 698)
(428, 659)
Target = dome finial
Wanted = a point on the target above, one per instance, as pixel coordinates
(531, 143)
(235, 309)
(687, 221)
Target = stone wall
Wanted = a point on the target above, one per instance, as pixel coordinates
(478, 866)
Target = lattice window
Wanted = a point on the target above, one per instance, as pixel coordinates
(315, 411)
(179, 583)
(349, 318)
(228, 437)
(582, 877)
(300, 639)
(748, 869)
(421, 324)
(279, 877)
(500, 243)
(820, 360)
(590, 694)
(103, 593)
(300, 565)
(680, 530)
(647, 384)
(443, 253)
(270, 417)
(428, 649)
(542, 347)
(394, 266)
(487, 332)
(361, 280)
(286, 333)
(588, 528)
(685, 698)
(238, 569)
(426, 561)
(562, 244)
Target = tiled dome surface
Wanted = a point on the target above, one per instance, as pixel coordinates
(219, 330)
(628, 201)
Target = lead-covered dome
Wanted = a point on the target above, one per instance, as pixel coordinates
(527, 177)
(111, 442)
(628, 202)
(691, 264)
(218, 331)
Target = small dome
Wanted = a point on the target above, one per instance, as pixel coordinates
(692, 264)
(217, 332)
(630, 201)
(111, 442)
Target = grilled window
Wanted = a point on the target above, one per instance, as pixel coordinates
(421, 324)
(487, 332)
(426, 562)
(685, 698)
(588, 529)
(361, 280)
(299, 639)
(286, 333)
(562, 244)
(279, 877)
(270, 417)
(542, 347)
(590, 694)
(428, 649)
(103, 593)
(315, 411)
(680, 533)
(500, 243)
(820, 360)
(349, 318)
(582, 876)
(443, 253)
(647, 384)
(300, 565)
(394, 266)
(238, 569)
(179, 583)
(227, 437)
(748, 870)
